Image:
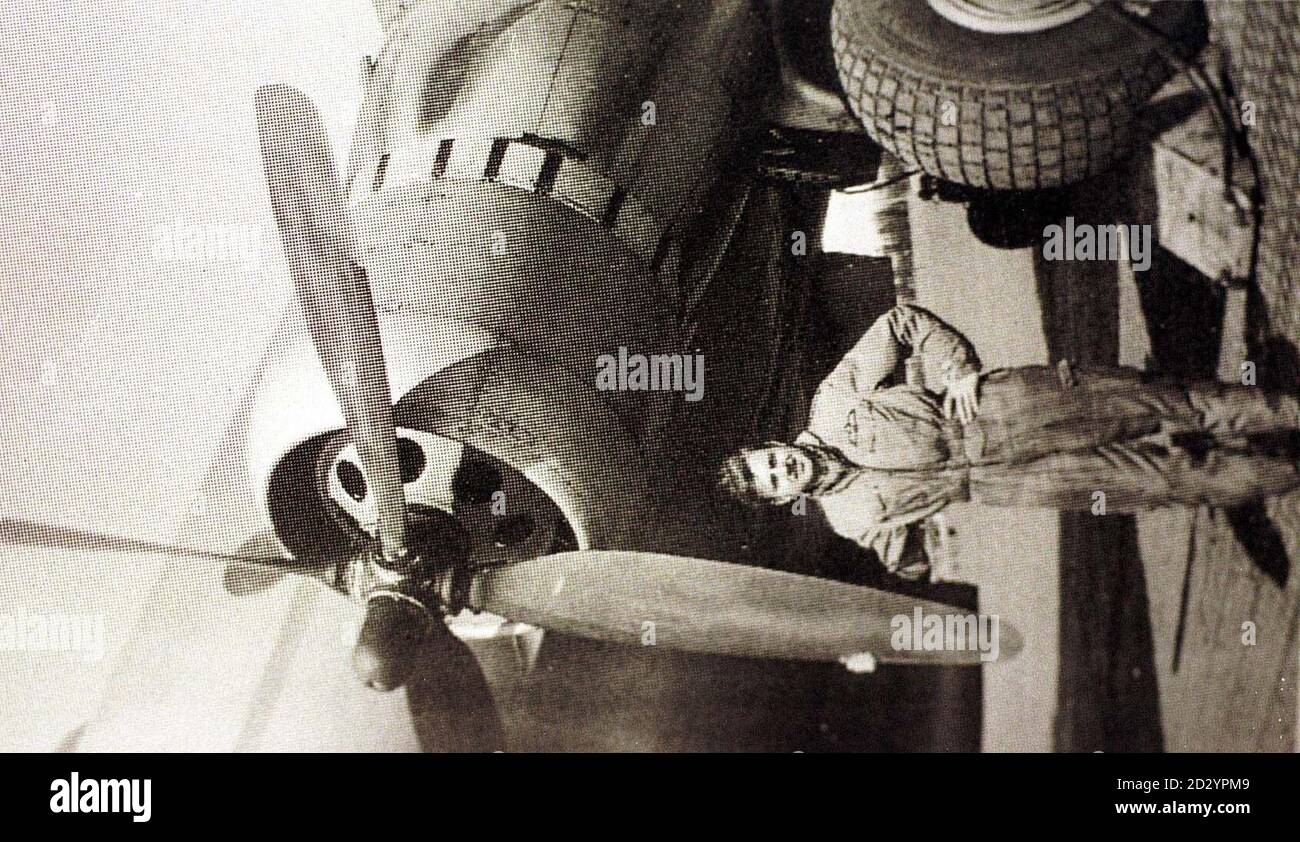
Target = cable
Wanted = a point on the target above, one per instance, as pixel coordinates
(879, 185)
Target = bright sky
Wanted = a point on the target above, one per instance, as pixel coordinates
(121, 362)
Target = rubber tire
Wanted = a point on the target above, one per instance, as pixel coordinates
(1032, 111)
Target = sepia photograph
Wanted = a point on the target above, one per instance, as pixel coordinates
(667, 376)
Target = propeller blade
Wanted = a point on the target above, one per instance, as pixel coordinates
(332, 288)
(449, 698)
(246, 579)
(711, 606)
(23, 533)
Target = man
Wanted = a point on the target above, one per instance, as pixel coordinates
(879, 457)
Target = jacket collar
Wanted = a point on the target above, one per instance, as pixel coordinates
(839, 471)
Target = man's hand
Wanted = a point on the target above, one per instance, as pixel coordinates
(962, 398)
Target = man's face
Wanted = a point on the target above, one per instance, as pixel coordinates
(780, 472)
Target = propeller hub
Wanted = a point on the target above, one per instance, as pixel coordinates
(405, 594)
(395, 626)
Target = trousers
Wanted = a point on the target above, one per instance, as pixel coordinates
(1054, 437)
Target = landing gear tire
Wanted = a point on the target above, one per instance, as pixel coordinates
(999, 110)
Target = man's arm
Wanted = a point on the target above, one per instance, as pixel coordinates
(900, 550)
(905, 328)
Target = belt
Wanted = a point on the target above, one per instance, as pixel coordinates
(965, 441)
(537, 166)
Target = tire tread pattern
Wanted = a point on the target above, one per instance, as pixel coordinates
(1015, 137)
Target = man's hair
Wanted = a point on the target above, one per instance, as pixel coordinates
(735, 477)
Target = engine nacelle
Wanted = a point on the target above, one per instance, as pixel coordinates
(463, 385)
